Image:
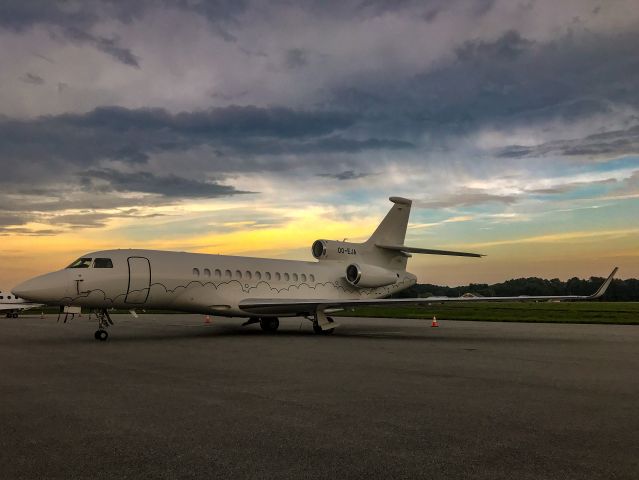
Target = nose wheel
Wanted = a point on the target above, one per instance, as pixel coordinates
(101, 335)
(104, 322)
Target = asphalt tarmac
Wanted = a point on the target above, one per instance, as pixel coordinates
(168, 396)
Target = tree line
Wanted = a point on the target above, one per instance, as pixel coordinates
(619, 291)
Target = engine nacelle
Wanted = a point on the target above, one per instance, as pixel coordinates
(333, 250)
(369, 276)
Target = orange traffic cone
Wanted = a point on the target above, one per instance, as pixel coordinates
(434, 323)
(207, 319)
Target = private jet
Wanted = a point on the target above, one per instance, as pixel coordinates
(260, 290)
(12, 305)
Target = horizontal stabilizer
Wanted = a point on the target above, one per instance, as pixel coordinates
(428, 251)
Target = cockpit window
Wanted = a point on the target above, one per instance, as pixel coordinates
(103, 263)
(81, 263)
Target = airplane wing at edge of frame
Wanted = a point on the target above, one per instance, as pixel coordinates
(264, 306)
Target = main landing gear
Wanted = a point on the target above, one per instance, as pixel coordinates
(326, 329)
(104, 322)
(12, 315)
(269, 324)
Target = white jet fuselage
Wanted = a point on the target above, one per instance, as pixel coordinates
(199, 283)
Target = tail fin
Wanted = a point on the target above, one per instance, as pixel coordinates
(392, 230)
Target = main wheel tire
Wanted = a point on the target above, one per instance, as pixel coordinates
(15, 315)
(325, 331)
(329, 331)
(269, 324)
(96, 335)
(101, 335)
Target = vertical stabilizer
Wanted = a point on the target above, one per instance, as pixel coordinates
(392, 230)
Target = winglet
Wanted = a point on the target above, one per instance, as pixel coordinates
(604, 286)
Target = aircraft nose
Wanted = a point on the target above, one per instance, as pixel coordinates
(44, 288)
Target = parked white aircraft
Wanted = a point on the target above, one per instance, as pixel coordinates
(12, 305)
(345, 275)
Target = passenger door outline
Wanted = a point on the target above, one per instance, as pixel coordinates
(139, 285)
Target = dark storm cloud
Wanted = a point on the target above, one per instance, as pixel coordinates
(32, 79)
(19, 15)
(13, 219)
(506, 81)
(344, 88)
(345, 175)
(507, 47)
(325, 145)
(225, 122)
(166, 185)
(63, 142)
(71, 21)
(296, 58)
(14, 223)
(106, 45)
(25, 200)
(612, 143)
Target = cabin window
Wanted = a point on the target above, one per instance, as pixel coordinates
(81, 263)
(238, 274)
(196, 272)
(207, 272)
(248, 275)
(227, 274)
(8, 297)
(278, 277)
(267, 275)
(287, 277)
(218, 273)
(1, 297)
(102, 263)
(295, 277)
(311, 277)
(303, 277)
(258, 275)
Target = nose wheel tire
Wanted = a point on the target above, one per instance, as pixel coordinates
(101, 335)
(269, 324)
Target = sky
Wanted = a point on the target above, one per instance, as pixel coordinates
(254, 128)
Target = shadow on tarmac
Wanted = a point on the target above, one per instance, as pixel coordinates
(164, 333)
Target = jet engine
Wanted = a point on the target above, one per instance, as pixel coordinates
(369, 276)
(334, 250)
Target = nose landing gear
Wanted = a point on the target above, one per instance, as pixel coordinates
(104, 322)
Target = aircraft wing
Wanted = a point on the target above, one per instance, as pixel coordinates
(309, 306)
